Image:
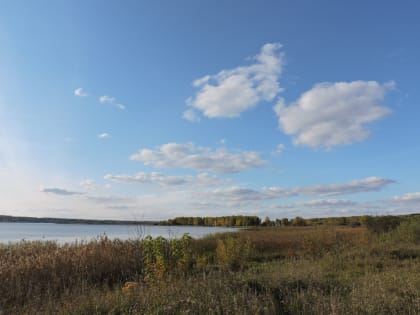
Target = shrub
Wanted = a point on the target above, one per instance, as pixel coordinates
(382, 224)
(232, 253)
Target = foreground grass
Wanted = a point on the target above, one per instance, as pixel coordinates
(289, 270)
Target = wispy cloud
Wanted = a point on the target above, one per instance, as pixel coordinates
(279, 150)
(106, 99)
(332, 114)
(60, 191)
(189, 156)
(111, 199)
(237, 193)
(232, 91)
(355, 186)
(202, 179)
(327, 203)
(80, 92)
(407, 198)
(88, 184)
(104, 135)
(190, 115)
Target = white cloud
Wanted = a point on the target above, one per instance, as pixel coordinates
(202, 179)
(140, 178)
(239, 194)
(106, 99)
(279, 150)
(104, 135)
(111, 199)
(230, 92)
(332, 114)
(407, 203)
(190, 115)
(407, 198)
(278, 192)
(120, 106)
(88, 184)
(80, 92)
(327, 203)
(356, 186)
(174, 155)
(60, 191)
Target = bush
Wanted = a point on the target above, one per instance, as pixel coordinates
(232, 253)
(381, 224)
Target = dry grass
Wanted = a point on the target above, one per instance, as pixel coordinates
(289, 270)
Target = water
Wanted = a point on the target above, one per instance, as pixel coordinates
(67, 233)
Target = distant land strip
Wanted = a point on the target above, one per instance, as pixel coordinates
(13, 219)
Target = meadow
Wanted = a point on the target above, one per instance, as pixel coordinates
(373, 268)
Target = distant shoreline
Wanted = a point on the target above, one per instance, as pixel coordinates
(15, 219)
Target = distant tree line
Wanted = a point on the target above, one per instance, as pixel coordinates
(242, 220)
(374, 223)
(233, 220)
(13, 219)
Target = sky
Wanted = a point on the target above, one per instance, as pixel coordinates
(155, 109)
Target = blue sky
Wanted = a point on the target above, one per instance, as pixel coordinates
(156, 109)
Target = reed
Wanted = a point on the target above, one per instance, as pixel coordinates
(271, 270)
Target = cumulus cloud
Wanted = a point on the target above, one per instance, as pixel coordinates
(332, 114)
(60, 191)
(120, 106)
(175, 155)
(106, 99)
(202, 179)
(80, 92)
(230, 92)
(104, 135)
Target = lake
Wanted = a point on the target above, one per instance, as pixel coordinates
(67, 233)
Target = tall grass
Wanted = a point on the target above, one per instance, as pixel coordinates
(287, 270)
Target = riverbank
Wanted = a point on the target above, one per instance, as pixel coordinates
(271, 270)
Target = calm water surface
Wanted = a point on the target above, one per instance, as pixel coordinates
(62, 233)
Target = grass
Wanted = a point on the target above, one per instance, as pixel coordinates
(273, 270)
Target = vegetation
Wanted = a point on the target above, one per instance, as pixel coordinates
(8, 218)
(233, 220)
(386, 222)
(294, 269)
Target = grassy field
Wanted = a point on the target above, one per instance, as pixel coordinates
(272, 270)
